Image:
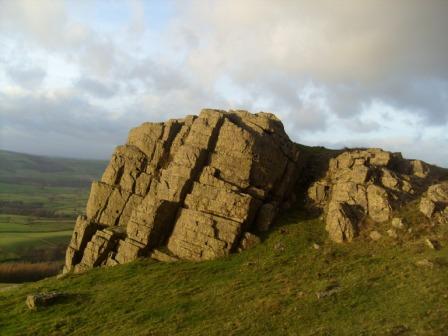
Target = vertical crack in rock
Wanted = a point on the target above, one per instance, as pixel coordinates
(191, 186)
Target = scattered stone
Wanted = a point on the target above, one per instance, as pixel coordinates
(398, 223)
(375, 235)
(392, 233)
(432, 243)
(329, 291)
(425, 263)
(398, 330)
(279, 247)
(316, 246)
(34, 301)
(249, 240)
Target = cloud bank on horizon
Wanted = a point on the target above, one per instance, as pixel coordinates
(75, 76)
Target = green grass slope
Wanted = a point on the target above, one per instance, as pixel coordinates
(283, 286)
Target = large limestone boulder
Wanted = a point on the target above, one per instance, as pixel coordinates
(368, 183)
(194, 187)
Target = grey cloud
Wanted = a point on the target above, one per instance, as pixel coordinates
(27, 77)
(153, 75)
(69, 125)
(96, 88)
(68, 115)
(358, 51)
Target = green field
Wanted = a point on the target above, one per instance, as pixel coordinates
(51, 201)
(283, 286)
(39, 200)
(20, 235)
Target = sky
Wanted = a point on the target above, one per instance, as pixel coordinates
(75, 76)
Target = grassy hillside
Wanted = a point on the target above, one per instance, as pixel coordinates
(284, 286)
(26, 169)
(39, 199)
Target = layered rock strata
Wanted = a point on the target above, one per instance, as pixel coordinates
(361, 184)
(192, 187)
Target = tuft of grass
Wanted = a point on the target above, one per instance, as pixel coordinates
(283, 286)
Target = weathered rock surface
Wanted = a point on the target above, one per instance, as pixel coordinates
(34, 301)
(370, 183)
(195, 186)
(434, 203)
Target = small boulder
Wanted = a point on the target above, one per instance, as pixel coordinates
(248, 241)
(398, 223)
(375, 235)
(425, 263)
(34, 301)
(330, 290)
(392, 233)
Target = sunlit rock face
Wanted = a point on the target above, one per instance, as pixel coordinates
(434, 203)
(367, 184)
(189, 189)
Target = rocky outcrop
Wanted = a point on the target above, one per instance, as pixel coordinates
(368, 183)
(434, 203)
(193, 186)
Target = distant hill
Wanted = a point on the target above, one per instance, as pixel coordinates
(26, 169)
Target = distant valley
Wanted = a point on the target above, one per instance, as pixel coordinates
(39, 198)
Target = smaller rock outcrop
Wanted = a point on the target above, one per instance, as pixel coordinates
(434, 203)
(367, 183)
